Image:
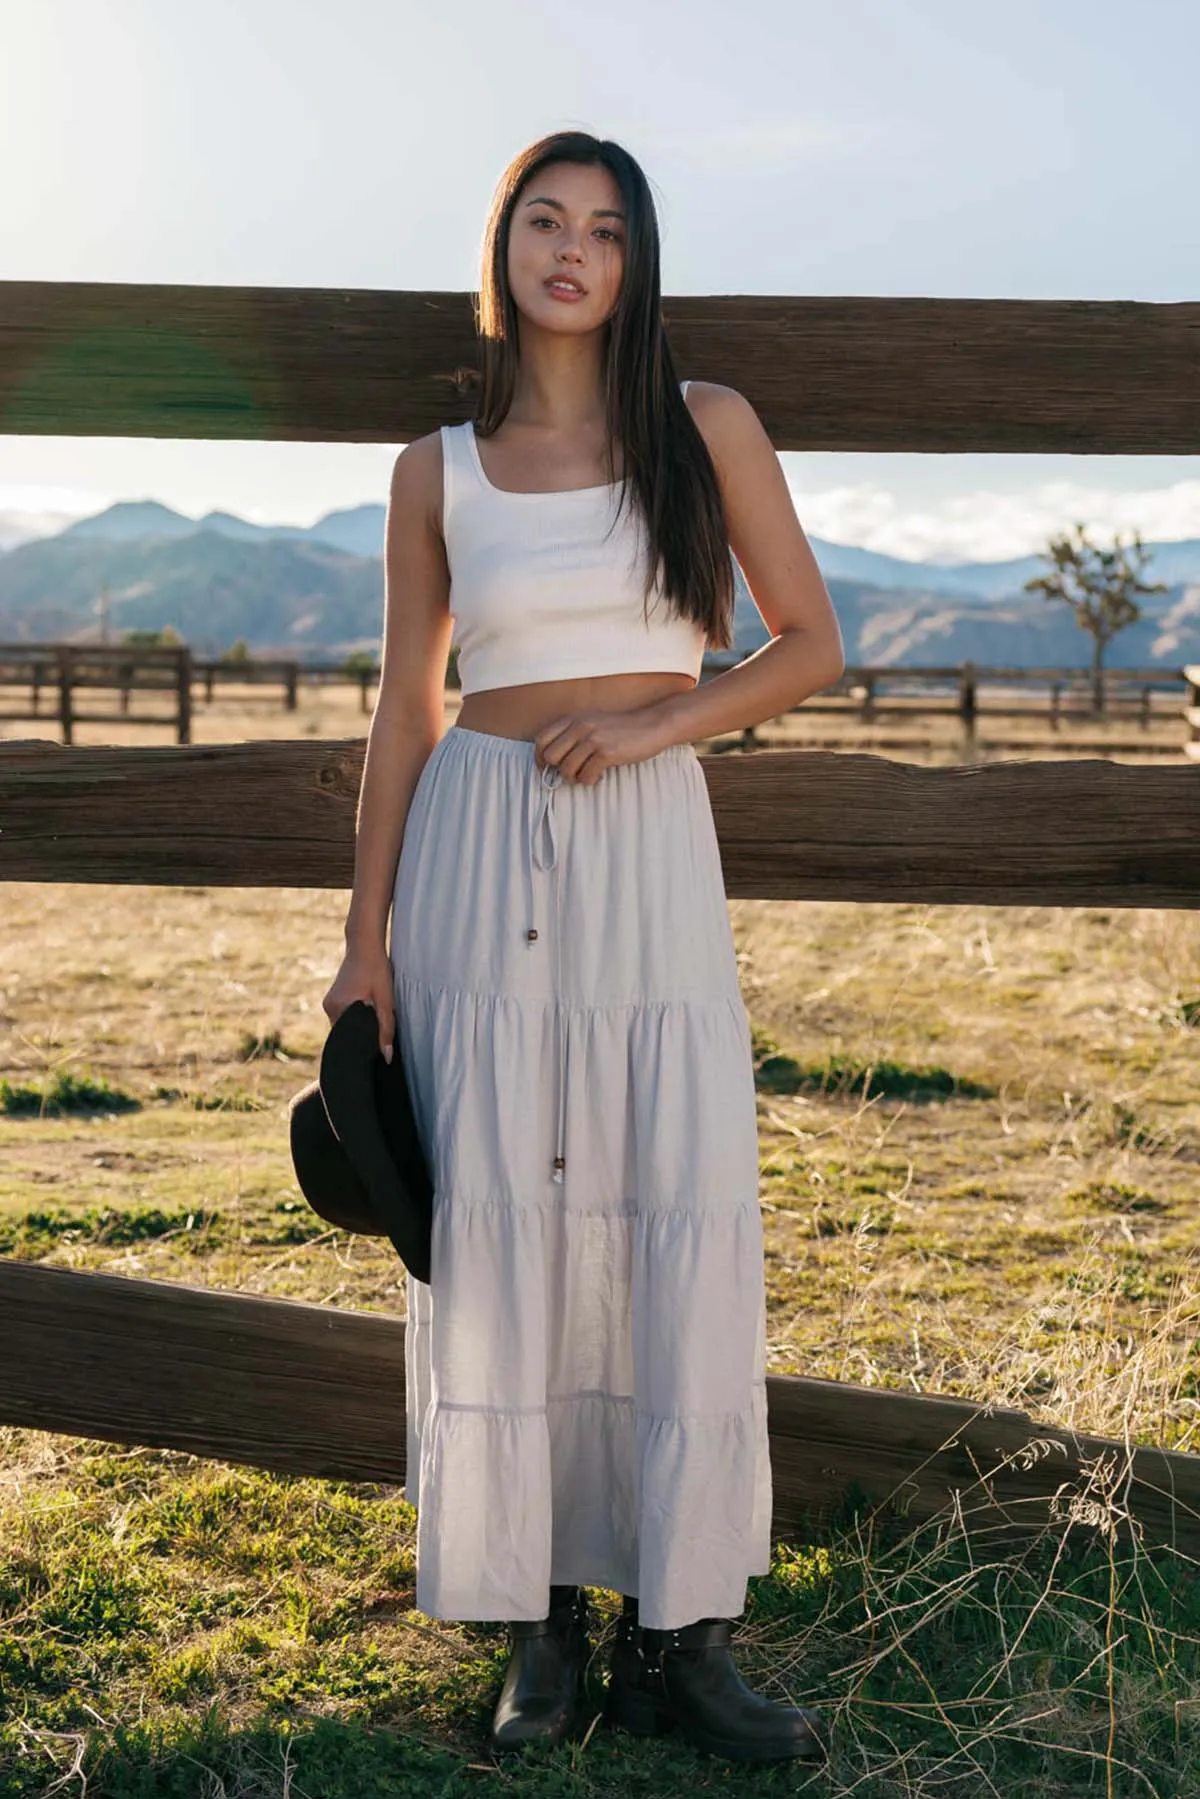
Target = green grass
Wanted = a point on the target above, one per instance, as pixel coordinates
(64, 1093)
(31, 1236)
(171, 1627)
(777, 1072)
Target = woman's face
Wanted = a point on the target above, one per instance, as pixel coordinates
(568, 222)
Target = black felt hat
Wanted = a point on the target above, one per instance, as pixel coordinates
(354, 1140)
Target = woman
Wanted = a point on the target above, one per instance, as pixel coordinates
(585, 1371)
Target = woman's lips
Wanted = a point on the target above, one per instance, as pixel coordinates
(563, 293)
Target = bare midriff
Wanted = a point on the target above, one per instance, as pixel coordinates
(522, 711)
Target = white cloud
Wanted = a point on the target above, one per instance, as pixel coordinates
(985, 526)
(28, 512)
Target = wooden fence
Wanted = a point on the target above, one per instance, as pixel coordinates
(63, 670)
(858, 694)
(316, 1389)
(1192, 712)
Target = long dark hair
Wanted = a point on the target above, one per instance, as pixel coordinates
(667, 466)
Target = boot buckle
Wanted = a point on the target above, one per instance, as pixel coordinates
(705, 1633)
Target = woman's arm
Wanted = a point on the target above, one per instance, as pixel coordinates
(805, 653)
(407, 722)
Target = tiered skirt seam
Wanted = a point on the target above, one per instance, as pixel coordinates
(620, 1399)
(692, 997)
(633, 1209)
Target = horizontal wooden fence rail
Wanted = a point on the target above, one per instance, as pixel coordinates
(306, 1389)
(791, 824)
(373, 365)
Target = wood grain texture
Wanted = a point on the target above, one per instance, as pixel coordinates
(312, 1390)
(791, 824)
(371, 365)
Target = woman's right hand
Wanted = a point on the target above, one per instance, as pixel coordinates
(366, 974)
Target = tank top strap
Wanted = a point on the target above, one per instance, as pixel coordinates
(458, 466)
(683, 387)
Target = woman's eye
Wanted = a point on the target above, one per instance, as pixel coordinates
(545, 219)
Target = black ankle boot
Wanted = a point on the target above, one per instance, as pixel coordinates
(686, 1680)
(543, 1682)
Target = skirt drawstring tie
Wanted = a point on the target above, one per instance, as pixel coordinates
(543, 828)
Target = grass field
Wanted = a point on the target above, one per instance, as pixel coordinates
(980, 1145)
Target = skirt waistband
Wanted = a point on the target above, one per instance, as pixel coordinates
(489, 743)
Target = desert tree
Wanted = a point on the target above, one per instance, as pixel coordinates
(1099, 586)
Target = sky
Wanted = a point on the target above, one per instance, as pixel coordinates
(1042, 149)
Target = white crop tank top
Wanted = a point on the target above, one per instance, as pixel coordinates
(541, 589)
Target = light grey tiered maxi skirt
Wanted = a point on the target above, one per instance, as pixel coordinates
(585, 1370)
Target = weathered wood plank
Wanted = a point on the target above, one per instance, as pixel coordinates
(791, 824)
(379, 366)
(312, 1390)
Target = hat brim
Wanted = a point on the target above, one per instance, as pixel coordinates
(370, 1110)
(326, 1175)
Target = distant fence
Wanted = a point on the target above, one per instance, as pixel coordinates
(1073, 694)
(61, 671)
(51, 675)
(1192, 747)
(250, 671)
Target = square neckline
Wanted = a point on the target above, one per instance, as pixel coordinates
(549, 493)
(526, 493)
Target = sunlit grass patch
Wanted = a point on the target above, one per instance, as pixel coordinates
(837, 1076)
(1112, 1196)
(63, 1093)
(255, 1046)
(234, 1100)
(31, 1235)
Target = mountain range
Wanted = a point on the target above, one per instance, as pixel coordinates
(316, 591)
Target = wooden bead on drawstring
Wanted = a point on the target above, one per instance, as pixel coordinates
(531, 934)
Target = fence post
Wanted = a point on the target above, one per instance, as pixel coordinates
(37, 687)
(1192, 711)
(868, 703)
(289, 694)
(125, 677)
(65, 657)
(184, 683)
(966, 700)
(362, 690)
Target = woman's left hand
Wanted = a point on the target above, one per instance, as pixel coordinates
(583, 744)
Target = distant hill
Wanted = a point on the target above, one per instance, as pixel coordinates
(318, 590)
(359, 530)
(213, 588)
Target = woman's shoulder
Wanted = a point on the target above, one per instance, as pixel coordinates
(418, 475)
(723, 415)
(713, 396)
